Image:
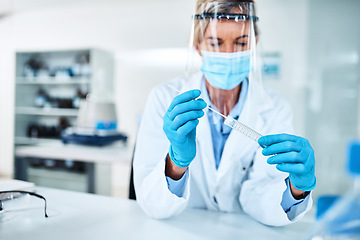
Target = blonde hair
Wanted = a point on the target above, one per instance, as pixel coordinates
(201, 24)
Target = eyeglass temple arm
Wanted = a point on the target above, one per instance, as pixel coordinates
(26, 192)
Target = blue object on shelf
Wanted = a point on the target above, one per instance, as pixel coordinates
(353, 165)
(111, 125)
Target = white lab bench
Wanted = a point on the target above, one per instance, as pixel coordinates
(74, 215)
(98, 160)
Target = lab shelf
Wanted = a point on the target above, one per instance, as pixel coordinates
(52, 81)
(32, 141)
(92, 68)
(46, 111)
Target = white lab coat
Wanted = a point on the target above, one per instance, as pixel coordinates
(243, 182)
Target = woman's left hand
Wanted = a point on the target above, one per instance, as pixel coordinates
(294, 155)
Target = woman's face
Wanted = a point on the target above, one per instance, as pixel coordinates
(227, 36)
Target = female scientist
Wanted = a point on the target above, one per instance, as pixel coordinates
(187, 157)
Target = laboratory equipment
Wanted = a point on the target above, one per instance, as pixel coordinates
(96, 124)
(242, 128)
(233, 123)
(93, 111)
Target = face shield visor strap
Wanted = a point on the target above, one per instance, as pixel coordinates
(226, 16)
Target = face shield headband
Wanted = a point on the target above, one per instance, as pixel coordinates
(228, 16)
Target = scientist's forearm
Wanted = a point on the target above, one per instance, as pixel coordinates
(172, 171)
(297, 194)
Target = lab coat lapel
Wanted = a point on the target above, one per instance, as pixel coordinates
(238, 147)
(203, 136)
(206, 150)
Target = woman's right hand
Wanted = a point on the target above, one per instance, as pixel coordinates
(179, 125)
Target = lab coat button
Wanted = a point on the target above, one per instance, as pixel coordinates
(244, 168)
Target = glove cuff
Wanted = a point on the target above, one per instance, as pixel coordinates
(176, 162)
(305, 188)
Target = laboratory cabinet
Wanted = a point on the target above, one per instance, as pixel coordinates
(66, 174)
(49, 86)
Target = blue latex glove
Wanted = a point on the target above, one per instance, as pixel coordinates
(294, 155)
(179, 125)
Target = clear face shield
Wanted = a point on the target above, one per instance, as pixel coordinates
(224, 36)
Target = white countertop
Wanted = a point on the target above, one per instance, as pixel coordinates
(75, 215)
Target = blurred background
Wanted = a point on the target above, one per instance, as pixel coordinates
(52, 53)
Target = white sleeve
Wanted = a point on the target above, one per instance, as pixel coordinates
(262, 192)
(293, 208)
(152, 192)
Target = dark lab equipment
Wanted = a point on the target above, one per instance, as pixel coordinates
(36, 130)
(35, 64)
(41, 98)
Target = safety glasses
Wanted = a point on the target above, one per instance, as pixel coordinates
(8, 199)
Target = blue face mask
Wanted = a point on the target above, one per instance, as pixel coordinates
(226, 70)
